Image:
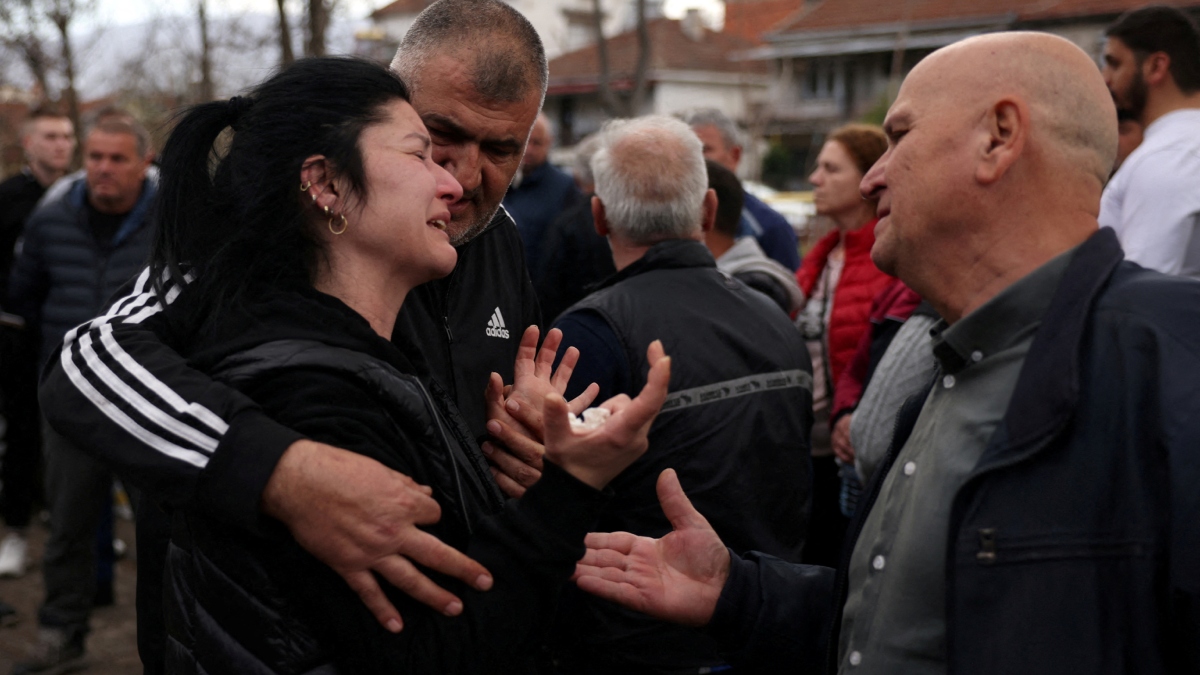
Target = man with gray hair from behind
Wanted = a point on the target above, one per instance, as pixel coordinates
(737, 421)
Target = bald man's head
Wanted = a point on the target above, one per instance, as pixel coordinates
(999, 148)
(1072, 114)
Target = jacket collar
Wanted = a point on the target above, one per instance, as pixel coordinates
(1048, 386)
(665, 255)
(133, 221)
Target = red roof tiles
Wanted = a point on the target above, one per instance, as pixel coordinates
(671, 49)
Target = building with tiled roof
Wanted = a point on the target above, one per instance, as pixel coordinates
(689, 67)
(834, 61)
(751, 19)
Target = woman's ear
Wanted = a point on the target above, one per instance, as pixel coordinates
(317, 180)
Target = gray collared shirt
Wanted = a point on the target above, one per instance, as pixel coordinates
(895, 615)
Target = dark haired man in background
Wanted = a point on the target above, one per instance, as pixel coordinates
(1152, 68)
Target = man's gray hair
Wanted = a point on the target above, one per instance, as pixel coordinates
(506, 54)
(704, 117)
(651, 178)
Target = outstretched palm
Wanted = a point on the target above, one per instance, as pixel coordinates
(676, 578)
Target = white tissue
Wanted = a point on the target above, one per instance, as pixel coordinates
(592, 418)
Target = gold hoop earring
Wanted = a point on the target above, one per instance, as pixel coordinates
(304, 186)
(345, 223)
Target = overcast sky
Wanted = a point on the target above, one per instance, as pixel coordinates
(119, 12)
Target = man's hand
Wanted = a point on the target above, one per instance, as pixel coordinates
(534, 377)
(840, 439)
(358, 516)
(515, 413)
(676, 578)
(598, 455)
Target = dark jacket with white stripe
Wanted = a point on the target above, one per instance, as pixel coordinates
(183, 438)
(64, 275)
(169, 429)
(261, 604)
(735, 428)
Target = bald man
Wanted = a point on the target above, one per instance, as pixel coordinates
(1037, 512)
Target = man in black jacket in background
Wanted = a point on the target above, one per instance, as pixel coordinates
(1037, 514)
(477, 73)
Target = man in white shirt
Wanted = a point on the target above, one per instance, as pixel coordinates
(1152, 68)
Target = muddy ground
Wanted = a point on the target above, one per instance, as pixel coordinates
(112, 645)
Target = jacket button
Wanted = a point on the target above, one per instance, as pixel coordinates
(948, 381)
(910, 468)
(855, 658)
(878, 563)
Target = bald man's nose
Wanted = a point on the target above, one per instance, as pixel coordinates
(873, 183)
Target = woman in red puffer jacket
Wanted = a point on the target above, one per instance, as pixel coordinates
(840, 282)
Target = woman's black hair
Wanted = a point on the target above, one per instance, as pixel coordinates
(235, 215)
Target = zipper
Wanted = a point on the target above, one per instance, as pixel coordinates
(987, 546)
(1032, 550)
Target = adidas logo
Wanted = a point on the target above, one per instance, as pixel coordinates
(495, 327)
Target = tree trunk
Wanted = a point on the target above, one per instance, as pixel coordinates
(286, 55)
(207, 91)
(643, 62)
(607, 99)
(60, 14)
(318, 21)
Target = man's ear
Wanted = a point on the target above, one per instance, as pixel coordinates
(710, 211)
(599, 217)
(1156, 68)
(1007, 130)
(735, 153)
(316, 177)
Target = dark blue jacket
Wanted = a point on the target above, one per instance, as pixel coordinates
(534, 204)
(1074, 547)
(774, 234)
(62, 275)
(735, 427)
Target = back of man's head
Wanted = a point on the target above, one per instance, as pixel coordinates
(505, 55)
(651, 179)
(1163, 29)
(730, 198)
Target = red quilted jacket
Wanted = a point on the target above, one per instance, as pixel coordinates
(860, 282)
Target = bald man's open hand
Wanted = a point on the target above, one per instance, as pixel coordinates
(676, 578)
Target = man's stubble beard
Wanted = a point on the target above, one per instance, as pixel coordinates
(472, 230)
(1136, 95)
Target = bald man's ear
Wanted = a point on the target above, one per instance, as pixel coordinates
(710, 211)
(1007, 129)
(601, 220)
